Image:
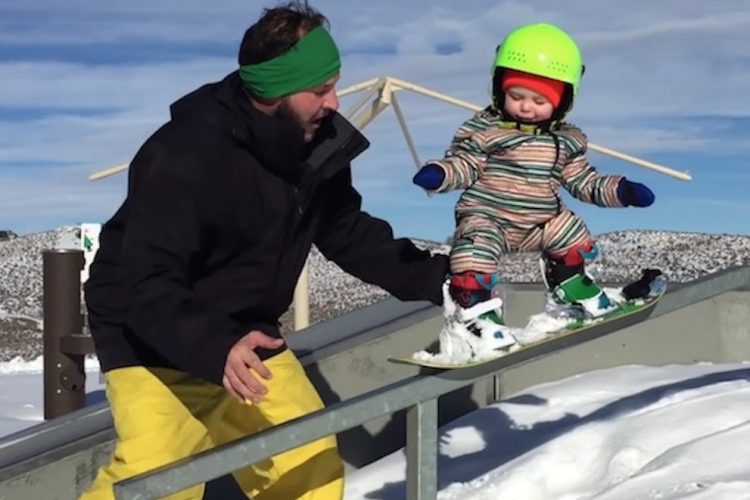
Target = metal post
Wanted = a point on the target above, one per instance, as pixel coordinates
(64, 376)
(302, 300)
(421, 450)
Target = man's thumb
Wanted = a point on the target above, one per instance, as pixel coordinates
(269, 342)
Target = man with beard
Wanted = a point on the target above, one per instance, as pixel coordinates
(195, 268)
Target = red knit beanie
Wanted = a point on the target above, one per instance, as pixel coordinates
(549, 88)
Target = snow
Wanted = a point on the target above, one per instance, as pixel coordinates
(20, 366)
(459, 346)
(22, 394)
(669, 432)
(627, 432)
(621, 433)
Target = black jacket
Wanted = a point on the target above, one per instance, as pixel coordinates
(223, 205)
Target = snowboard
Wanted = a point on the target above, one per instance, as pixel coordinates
(639, 298)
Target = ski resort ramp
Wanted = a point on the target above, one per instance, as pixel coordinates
(376, 406)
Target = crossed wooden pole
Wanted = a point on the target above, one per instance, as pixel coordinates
(377, 95)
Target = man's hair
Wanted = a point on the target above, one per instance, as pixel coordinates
(277, 30)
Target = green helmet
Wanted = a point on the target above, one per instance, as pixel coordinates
(543, 50)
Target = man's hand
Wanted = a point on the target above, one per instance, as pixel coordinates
(238, 379)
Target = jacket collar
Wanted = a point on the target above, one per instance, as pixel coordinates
(508, 123)
(279, 145)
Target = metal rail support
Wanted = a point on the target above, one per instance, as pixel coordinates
(64, 345)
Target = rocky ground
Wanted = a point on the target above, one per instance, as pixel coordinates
(682, 256)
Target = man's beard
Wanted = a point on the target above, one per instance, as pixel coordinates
(285, 112)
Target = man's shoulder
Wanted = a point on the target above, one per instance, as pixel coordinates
(189, 152)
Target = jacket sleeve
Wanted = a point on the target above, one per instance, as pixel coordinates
(581, 179)
(365, 247)
(466, 158)
(164, 237)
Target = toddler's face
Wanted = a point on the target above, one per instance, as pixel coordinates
(527, 106)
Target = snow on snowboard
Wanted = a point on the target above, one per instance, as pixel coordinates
(637, 297)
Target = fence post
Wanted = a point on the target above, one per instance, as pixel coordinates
(64, 375)
(421, 450)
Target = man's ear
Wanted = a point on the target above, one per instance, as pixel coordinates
(270, 103)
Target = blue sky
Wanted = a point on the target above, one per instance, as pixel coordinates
(83, 83)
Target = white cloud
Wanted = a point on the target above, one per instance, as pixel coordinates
(59, 194)
(647, 139)
(734, 205)
(647, 64)
(147, 86)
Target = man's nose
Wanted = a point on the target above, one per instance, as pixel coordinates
(331, 101)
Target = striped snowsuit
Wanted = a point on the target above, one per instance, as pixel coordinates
(512, 176)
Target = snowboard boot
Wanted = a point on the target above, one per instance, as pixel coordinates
(479, 310)
(651, 283)
(571, 291)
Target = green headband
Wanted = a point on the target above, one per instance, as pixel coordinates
(310, 62)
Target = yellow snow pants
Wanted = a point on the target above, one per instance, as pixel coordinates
(162, 415)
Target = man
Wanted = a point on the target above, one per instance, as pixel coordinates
(224, 202)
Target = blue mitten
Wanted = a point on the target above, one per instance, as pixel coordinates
(429, 177)
(634, 194)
